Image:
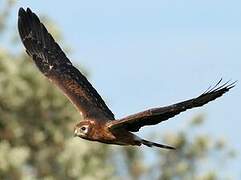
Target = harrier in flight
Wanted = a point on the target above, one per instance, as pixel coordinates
(99, 123)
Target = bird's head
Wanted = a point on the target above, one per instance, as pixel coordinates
(82, 129)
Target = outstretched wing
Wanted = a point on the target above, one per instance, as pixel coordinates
(54, 64)
(157, 115)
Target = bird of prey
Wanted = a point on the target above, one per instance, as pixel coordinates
(98, 123)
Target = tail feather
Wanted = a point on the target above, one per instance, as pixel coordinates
(151, 144)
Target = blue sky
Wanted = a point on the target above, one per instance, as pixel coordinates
(144, 54)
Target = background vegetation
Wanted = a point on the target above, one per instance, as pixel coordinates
(36, 133)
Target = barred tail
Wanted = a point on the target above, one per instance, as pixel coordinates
(151, 144)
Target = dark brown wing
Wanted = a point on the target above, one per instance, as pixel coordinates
(157, 115)
(54, 64)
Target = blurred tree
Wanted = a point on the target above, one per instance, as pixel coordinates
(36, 124)
(36, 141)
(6, 6)
(198, 157)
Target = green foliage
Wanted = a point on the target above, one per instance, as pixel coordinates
(36, 128)
(4, 12)
(198, 156)
(36, 124)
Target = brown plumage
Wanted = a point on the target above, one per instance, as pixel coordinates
(98, 122)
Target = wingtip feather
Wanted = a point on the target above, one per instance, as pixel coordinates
(217, 87)
(21, 11)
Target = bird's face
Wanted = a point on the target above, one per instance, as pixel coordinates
(82, 129)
